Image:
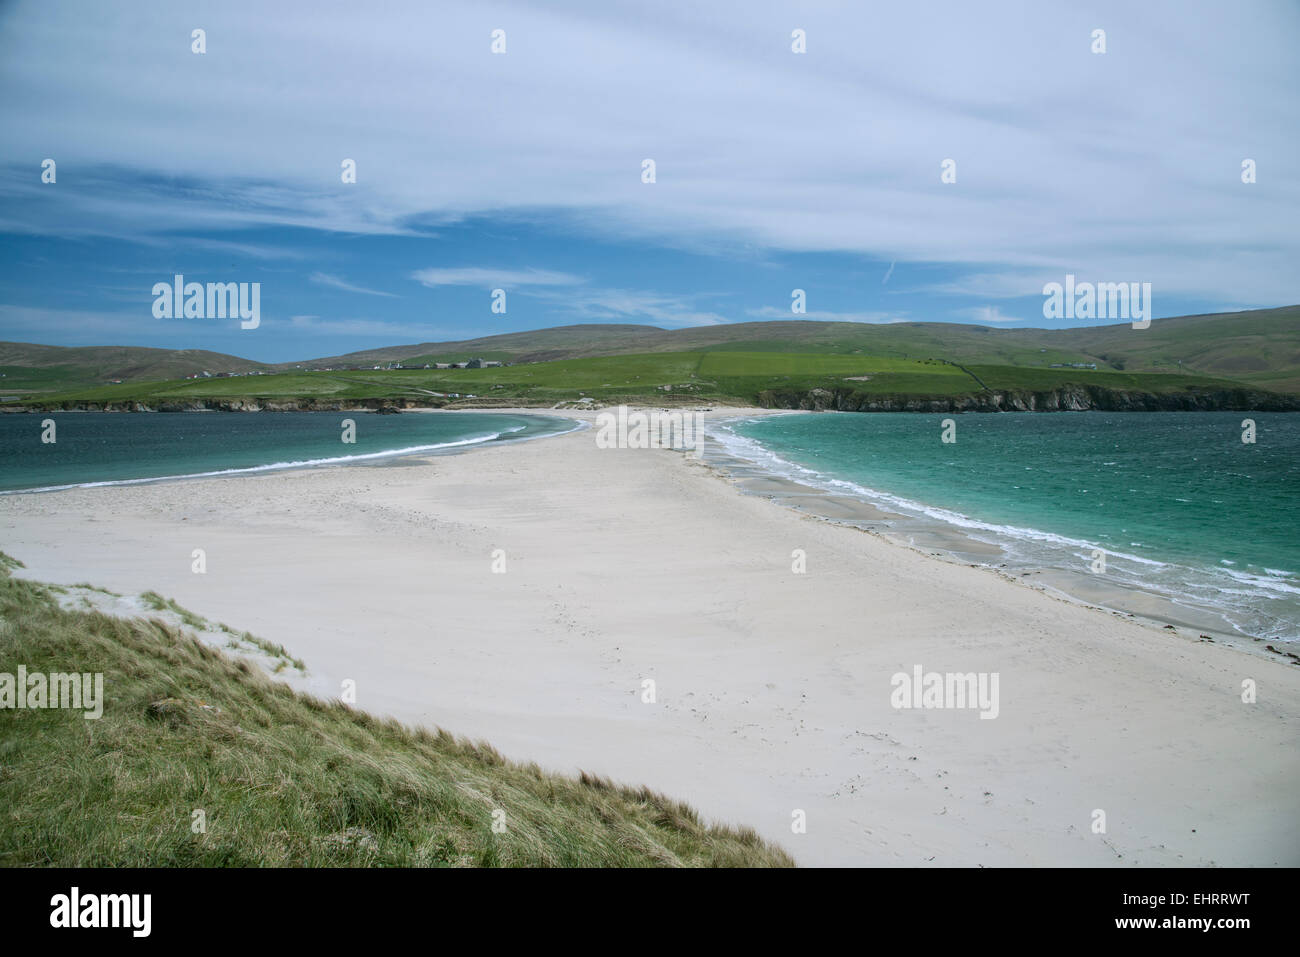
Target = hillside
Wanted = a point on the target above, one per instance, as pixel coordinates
(26, 367)
(849, 382)
(282, 779)
(536, 345)
(1258, 351)
(1260, 347)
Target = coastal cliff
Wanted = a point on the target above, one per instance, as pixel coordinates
(1069, 399)
(1080, 398)
(227, 405)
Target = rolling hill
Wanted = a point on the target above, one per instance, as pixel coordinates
(1258, 351)
(1260, 347)
(27, 367)
(849, 382)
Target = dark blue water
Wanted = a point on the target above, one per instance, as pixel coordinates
(96, 447)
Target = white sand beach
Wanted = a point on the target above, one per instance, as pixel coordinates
(773, 689)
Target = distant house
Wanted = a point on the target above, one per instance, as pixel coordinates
(474, 364)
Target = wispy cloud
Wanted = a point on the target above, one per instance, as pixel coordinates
(492, 278)
(987, 314)
(248, 250)
(824, 315)
(32, 320)
(377, 328)
(334, 282)
(662, 309)
(1063, 156)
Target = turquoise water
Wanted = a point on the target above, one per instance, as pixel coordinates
(95, 447)
(1179, 503)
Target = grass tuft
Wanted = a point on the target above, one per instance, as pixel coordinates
(284, 779)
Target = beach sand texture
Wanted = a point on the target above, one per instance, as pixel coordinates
(772, 688)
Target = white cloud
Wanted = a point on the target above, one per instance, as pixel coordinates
(63, 323)
(334, 282)
(78, 326)
(826, 315)
(249, 250)
(1118, 164)
(619, 304)
(316, 326)
(987, 314)
(492, 278)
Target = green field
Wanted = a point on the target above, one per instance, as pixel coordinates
(1260, 347)
(732, 363)
(722, 376)
(19, 379)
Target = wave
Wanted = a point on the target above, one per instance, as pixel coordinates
(746, 448)
(1247, 601)
(303, 463)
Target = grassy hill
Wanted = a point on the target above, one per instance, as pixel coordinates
(25, 367)
(536, 345)
(734, 363)
(283, 779)
(722, 376)
(1260, 347)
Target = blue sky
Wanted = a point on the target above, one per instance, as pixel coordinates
(522, 171)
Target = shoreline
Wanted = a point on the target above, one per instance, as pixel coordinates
(1079, 397)
(773, 688)
(365, 458)
(931, 537)
(948, 542)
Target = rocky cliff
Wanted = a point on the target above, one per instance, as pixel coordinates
(1069, 399)
(228, 405)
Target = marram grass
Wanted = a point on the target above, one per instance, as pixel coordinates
(283, 779)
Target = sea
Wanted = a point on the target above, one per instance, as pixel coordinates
(1177, 504)
(106, 448)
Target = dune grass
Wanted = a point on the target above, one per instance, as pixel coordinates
(283, 779)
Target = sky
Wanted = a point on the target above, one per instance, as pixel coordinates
(523, 170)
